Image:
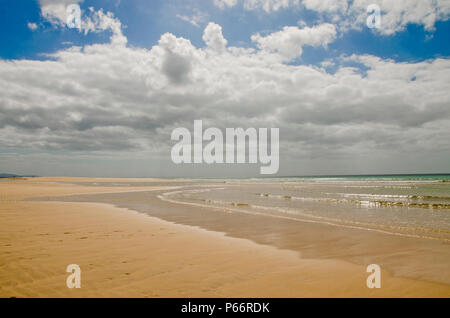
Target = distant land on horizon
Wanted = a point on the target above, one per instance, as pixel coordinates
(10, 175)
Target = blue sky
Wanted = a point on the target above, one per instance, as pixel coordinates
(104, 99)
(145, 21)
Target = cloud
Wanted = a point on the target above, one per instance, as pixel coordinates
(195, 19)
(352, 14)
(269, 5)
(32, 26)
(395, 15)
(326, 5)
(176, 66)
(288, 42)
(222, 4)
(266, 5)
(125, 101)
(213, 37)
(99, 21)
(57, 13)
(188, 19)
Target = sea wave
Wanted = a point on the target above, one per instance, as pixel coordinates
(299, 215)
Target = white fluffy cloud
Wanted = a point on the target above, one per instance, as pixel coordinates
(213, 37)
(55, 11)
(99, 21)
(289, 41)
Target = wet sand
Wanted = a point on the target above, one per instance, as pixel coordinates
(123, 253)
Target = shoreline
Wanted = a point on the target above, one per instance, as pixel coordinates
(126, 253)
(402, 256)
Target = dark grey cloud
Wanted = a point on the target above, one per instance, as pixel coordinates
(176, 67)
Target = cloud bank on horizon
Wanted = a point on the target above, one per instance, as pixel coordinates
(107, 107)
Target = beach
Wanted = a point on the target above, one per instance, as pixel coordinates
(174, 238)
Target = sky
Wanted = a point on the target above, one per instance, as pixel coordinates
(102, 99)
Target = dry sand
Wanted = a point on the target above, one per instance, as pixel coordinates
(123, 253)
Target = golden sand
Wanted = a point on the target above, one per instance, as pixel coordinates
(123, 253)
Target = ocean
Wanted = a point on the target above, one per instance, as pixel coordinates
(405, 205)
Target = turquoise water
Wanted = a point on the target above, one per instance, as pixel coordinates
(381, 177)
